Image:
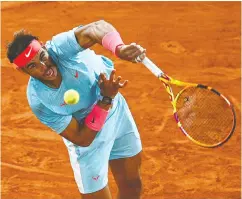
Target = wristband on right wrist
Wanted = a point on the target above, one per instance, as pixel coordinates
(96, 118)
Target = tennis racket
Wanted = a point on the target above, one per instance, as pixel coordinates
(203, 114)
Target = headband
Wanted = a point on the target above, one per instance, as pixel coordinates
(30, 51)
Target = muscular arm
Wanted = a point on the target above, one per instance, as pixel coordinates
(92, 33)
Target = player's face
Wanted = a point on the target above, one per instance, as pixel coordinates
(41, 66)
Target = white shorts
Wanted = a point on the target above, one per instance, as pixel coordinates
(119, 138)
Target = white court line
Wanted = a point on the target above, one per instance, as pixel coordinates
(34, 170)
(167, 115)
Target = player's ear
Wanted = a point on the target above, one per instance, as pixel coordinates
(23, 71)
(42, 45)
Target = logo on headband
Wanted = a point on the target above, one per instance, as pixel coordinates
(27, 55)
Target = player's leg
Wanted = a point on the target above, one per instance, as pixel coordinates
(90, 167)
(102, 194)
(125, 163)
(126, 172)
(125, 156)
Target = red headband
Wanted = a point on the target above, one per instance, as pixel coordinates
(31, 50)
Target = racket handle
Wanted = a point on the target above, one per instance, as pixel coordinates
(152, 67)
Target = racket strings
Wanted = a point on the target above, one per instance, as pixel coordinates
(204, 115)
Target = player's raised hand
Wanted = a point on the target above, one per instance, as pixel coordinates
(110, 87)
(132, 52)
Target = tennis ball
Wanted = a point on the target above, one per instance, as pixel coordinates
(71, 97)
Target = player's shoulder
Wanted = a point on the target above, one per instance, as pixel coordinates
(63, 39)
(32, 93)
(64, 44)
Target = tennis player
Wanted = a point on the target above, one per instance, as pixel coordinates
(99, 130)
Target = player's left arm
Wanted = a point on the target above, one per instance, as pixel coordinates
(93, 33)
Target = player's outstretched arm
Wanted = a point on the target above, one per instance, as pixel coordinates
(105, 34)
(93, 33)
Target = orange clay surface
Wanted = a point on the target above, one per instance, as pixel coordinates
(195, 42)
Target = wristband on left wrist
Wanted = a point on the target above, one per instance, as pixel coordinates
(111, 41)
(106, 100)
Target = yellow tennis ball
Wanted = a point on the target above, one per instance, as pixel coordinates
(71, 97)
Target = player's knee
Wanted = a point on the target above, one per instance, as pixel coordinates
(131, 189)
(134, 185)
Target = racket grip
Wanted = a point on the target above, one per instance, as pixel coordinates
(152, 67)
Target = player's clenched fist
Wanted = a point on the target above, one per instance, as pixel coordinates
(109, 87)
(132, 52)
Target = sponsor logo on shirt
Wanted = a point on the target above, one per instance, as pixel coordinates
(63, 104)
(76, 75)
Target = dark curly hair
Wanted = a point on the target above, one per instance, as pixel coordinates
(21, 40)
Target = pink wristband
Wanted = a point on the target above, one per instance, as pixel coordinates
(96, 118)
(111, 40)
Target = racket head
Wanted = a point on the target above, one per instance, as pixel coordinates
(204, 115)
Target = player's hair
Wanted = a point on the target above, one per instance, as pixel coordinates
(21, 40)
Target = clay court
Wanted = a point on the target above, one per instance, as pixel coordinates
(191, 41)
